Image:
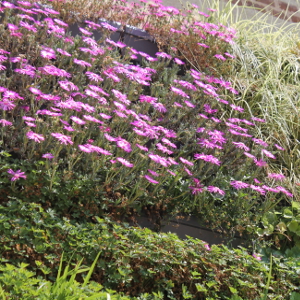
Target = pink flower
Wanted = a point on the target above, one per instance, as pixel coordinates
(185, 161)
(237, 108)
(142, 147)
(64, 139)
(160, 107)
(219, 56)
(63, 52)
(159, 159)
(77, 120)
(256, 256)
(163, 148)
(153, 173)
(48, 54)
(16, 174)
(207, 247)
(123, 144)
(178, 61)
(214, 189)
(148, 99)
(260, 162)
(260, 142)
(276, 176)
(285, 191)
(150, 179)
(125, 162)
(258, 189)
(241, 145)
(5, 104)
(82, 62)
(279, 147)
(209, 158)
(93, 76)
(258, 120)
(179, 92)
(268, 153)
(84, 148)
(203, 45)
(239, 184)
(4, 122)
(35, 136)
(48, 155)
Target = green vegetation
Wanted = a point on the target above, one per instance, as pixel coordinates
(94, 133)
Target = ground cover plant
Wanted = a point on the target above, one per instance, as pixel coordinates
(134, 135)
(87, 131)
(134, 261)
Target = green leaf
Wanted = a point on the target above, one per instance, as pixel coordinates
(281, 227)
(293, 226)
(200, 287)
(287, 213)
(233, 290)
(296, 205)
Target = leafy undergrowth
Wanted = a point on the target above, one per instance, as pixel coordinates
(133, 261)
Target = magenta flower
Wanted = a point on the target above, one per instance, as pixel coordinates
(77, 120)
(150, 179)
(209, 158)
(153, 173)
(258, 120)
(142, 147)
(63, 52)
(239, 184)
(256, 256)
(260, 162)
(268, 153)
(185, 161)
(109, 27)
(258, 189)
(35, 136)
(52, 70)
(82, 62)
(197, 188)
(163, 149)
(48, 54)
(125, 162)
(203, 45)
(241, 145)
(123, 144)
(219, 56)
(149, 99)
(94, 77)
(179, 92)
(260, 142)
(159, 107)
(207, 247)
(85, 148)
(63, 139)
(35, 91)
(48, 155)
(276, 176)
(285, 191)
(159, 159)
(279, 147)
(5, 104)
(178, 61)
(214, 189)
(4, 122)
(16, 174)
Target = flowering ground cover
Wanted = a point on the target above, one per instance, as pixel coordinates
(87, 131)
